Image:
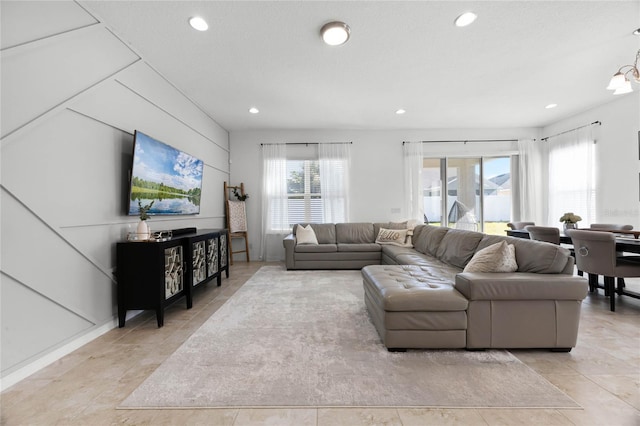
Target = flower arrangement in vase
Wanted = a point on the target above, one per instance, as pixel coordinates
(143, 230)
(570, 220)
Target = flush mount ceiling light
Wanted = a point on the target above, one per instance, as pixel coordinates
(400, 111)
(465, 19)
(551, 106)
(198, 23)
(254, 110)
(335, 33)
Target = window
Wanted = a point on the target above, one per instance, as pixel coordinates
(304, 197)
(304, 184)
(572, 175)
(463, 202)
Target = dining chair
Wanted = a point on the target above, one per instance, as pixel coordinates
(550, 235)
(544, 233)
(611, 226)
(519, 225)
(596, 255)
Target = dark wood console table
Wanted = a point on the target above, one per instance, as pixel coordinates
(152, 275)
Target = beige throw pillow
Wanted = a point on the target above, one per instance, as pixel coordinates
(306, 235)
(499, 257)
(395, 237)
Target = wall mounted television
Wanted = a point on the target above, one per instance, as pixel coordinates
(172, 179)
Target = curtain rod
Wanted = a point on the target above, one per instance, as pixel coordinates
(567, 131)
(305, 143)
(467, 140)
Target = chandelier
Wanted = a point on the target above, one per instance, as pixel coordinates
(620, 82)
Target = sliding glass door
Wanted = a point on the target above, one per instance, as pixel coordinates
(463, 193)
(472, 193)
(498, 194)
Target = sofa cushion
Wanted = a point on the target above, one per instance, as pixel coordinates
(533, 256)
(389, 225)
(410, 289)
(520, 286)
(499, 257)
(359, 247)
(458, 246)
(325, 232)
(316, 248)
(355, 233)
(392, 236)
(393, 251)
(306, 235)
(426, 238)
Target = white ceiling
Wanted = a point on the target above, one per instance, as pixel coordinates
(499, 72)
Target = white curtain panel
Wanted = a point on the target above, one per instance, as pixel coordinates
(275, 218)
(413, 164)
(335, 163)
(572, 176)
(531, 181)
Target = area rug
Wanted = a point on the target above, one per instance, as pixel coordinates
(304, 339)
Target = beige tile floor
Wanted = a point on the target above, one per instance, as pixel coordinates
(602, 374)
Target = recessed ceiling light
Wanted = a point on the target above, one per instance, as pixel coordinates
(335, 33)
(465, 19)
(198, 23)
(400, 111)
(551, 106)
(637, 32)
(254, 110)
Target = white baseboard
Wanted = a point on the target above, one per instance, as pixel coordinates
(51, 357)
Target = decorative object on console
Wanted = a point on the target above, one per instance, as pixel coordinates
(143, 231)
(570, 220)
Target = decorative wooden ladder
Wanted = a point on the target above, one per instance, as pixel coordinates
(236, 219)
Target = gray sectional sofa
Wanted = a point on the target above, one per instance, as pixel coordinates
(420, 296)
(340, 246)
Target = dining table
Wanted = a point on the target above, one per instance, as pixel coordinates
(623, 243)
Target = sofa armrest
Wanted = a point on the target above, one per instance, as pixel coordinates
(289, 243)
(521, 286)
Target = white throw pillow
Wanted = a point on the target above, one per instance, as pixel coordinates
(395, 237)
(306, 235)
(499, 257)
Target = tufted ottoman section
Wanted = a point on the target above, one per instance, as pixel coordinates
(415, 307)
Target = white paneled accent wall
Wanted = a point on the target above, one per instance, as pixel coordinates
(72, 95)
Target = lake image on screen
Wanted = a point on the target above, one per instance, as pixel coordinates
(170, 178)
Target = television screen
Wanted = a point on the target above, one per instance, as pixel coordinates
(161, 174)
